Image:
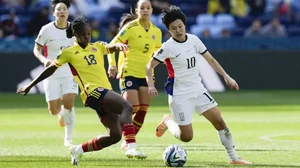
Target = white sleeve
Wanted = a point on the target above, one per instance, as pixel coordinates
(162, 54)
(201, 47)
(42, 37)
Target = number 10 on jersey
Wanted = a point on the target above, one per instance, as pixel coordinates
(191, 62)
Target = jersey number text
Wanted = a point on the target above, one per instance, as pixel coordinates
(191, 63)
(146, 49)
(90, 59)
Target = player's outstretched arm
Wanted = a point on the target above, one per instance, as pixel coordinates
(217, 67)
(45, 74)
(149, 69)
(117, 47)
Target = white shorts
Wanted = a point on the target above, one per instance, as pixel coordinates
(183, 107)
(55, 88)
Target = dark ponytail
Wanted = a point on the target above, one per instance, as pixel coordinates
(127, 17)
(76, 25)
(69, 31)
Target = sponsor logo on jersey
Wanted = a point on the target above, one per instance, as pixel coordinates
(94, 49)
(181, 117)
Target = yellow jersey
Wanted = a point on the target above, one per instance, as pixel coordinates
(87, 66)
(142, 45)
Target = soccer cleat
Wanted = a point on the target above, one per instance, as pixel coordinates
(74, 155)
(133, 153)
(61, 120)
(240, 162)
(124, 145)
(161, 128)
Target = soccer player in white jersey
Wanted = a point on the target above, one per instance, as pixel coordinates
(60, 88)
(187, 94)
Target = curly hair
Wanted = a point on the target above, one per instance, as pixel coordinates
(76, 25)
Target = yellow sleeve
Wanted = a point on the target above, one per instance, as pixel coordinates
(103, 47)
(121, 37)
(62, 58)
(120, 59)
(158, 42)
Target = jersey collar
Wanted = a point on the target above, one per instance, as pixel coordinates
(138, 22)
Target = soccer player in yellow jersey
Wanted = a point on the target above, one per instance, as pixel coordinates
(144, 39)
(87, 65)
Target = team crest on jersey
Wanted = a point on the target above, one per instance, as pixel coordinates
(94, 49)
(153, 37)
(195, 48)
(100, 89)
(128, 83)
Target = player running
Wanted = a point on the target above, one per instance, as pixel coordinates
(144, 39)
(60, 88)
(181, 54)
(86, 61)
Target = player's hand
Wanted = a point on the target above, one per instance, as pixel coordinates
(47, 62)
(112, 71)
(152, 91)
(121, 46)
(231, 82)
(24, 90)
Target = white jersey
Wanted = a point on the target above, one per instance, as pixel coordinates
(182, 62)
(53, 39)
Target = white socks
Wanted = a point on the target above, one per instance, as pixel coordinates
(173, 128)
(131, 145)
(69, 119)
(227, 141)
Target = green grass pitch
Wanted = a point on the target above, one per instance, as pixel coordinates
(264, 124)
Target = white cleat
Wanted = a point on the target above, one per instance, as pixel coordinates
(134, 153)
(74, 155)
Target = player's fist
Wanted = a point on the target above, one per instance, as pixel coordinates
(112, 71)
(24, 90)
(152, 91)
(231, 82)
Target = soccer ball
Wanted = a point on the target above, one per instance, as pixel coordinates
(174, 156)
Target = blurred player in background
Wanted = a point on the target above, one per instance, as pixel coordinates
(86, 61)
(187, 94)
(60, 88)
(126, 18)
(144, 39)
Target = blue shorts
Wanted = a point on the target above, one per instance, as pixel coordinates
(132, 83)
(95, 100)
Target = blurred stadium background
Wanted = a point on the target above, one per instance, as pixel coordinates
(256, 41)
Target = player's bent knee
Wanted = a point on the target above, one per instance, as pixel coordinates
(127, 107)
(115, 137)
(186, 138)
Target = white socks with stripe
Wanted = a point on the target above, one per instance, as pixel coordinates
(69, 119)
(227, 141)
(173, 128)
